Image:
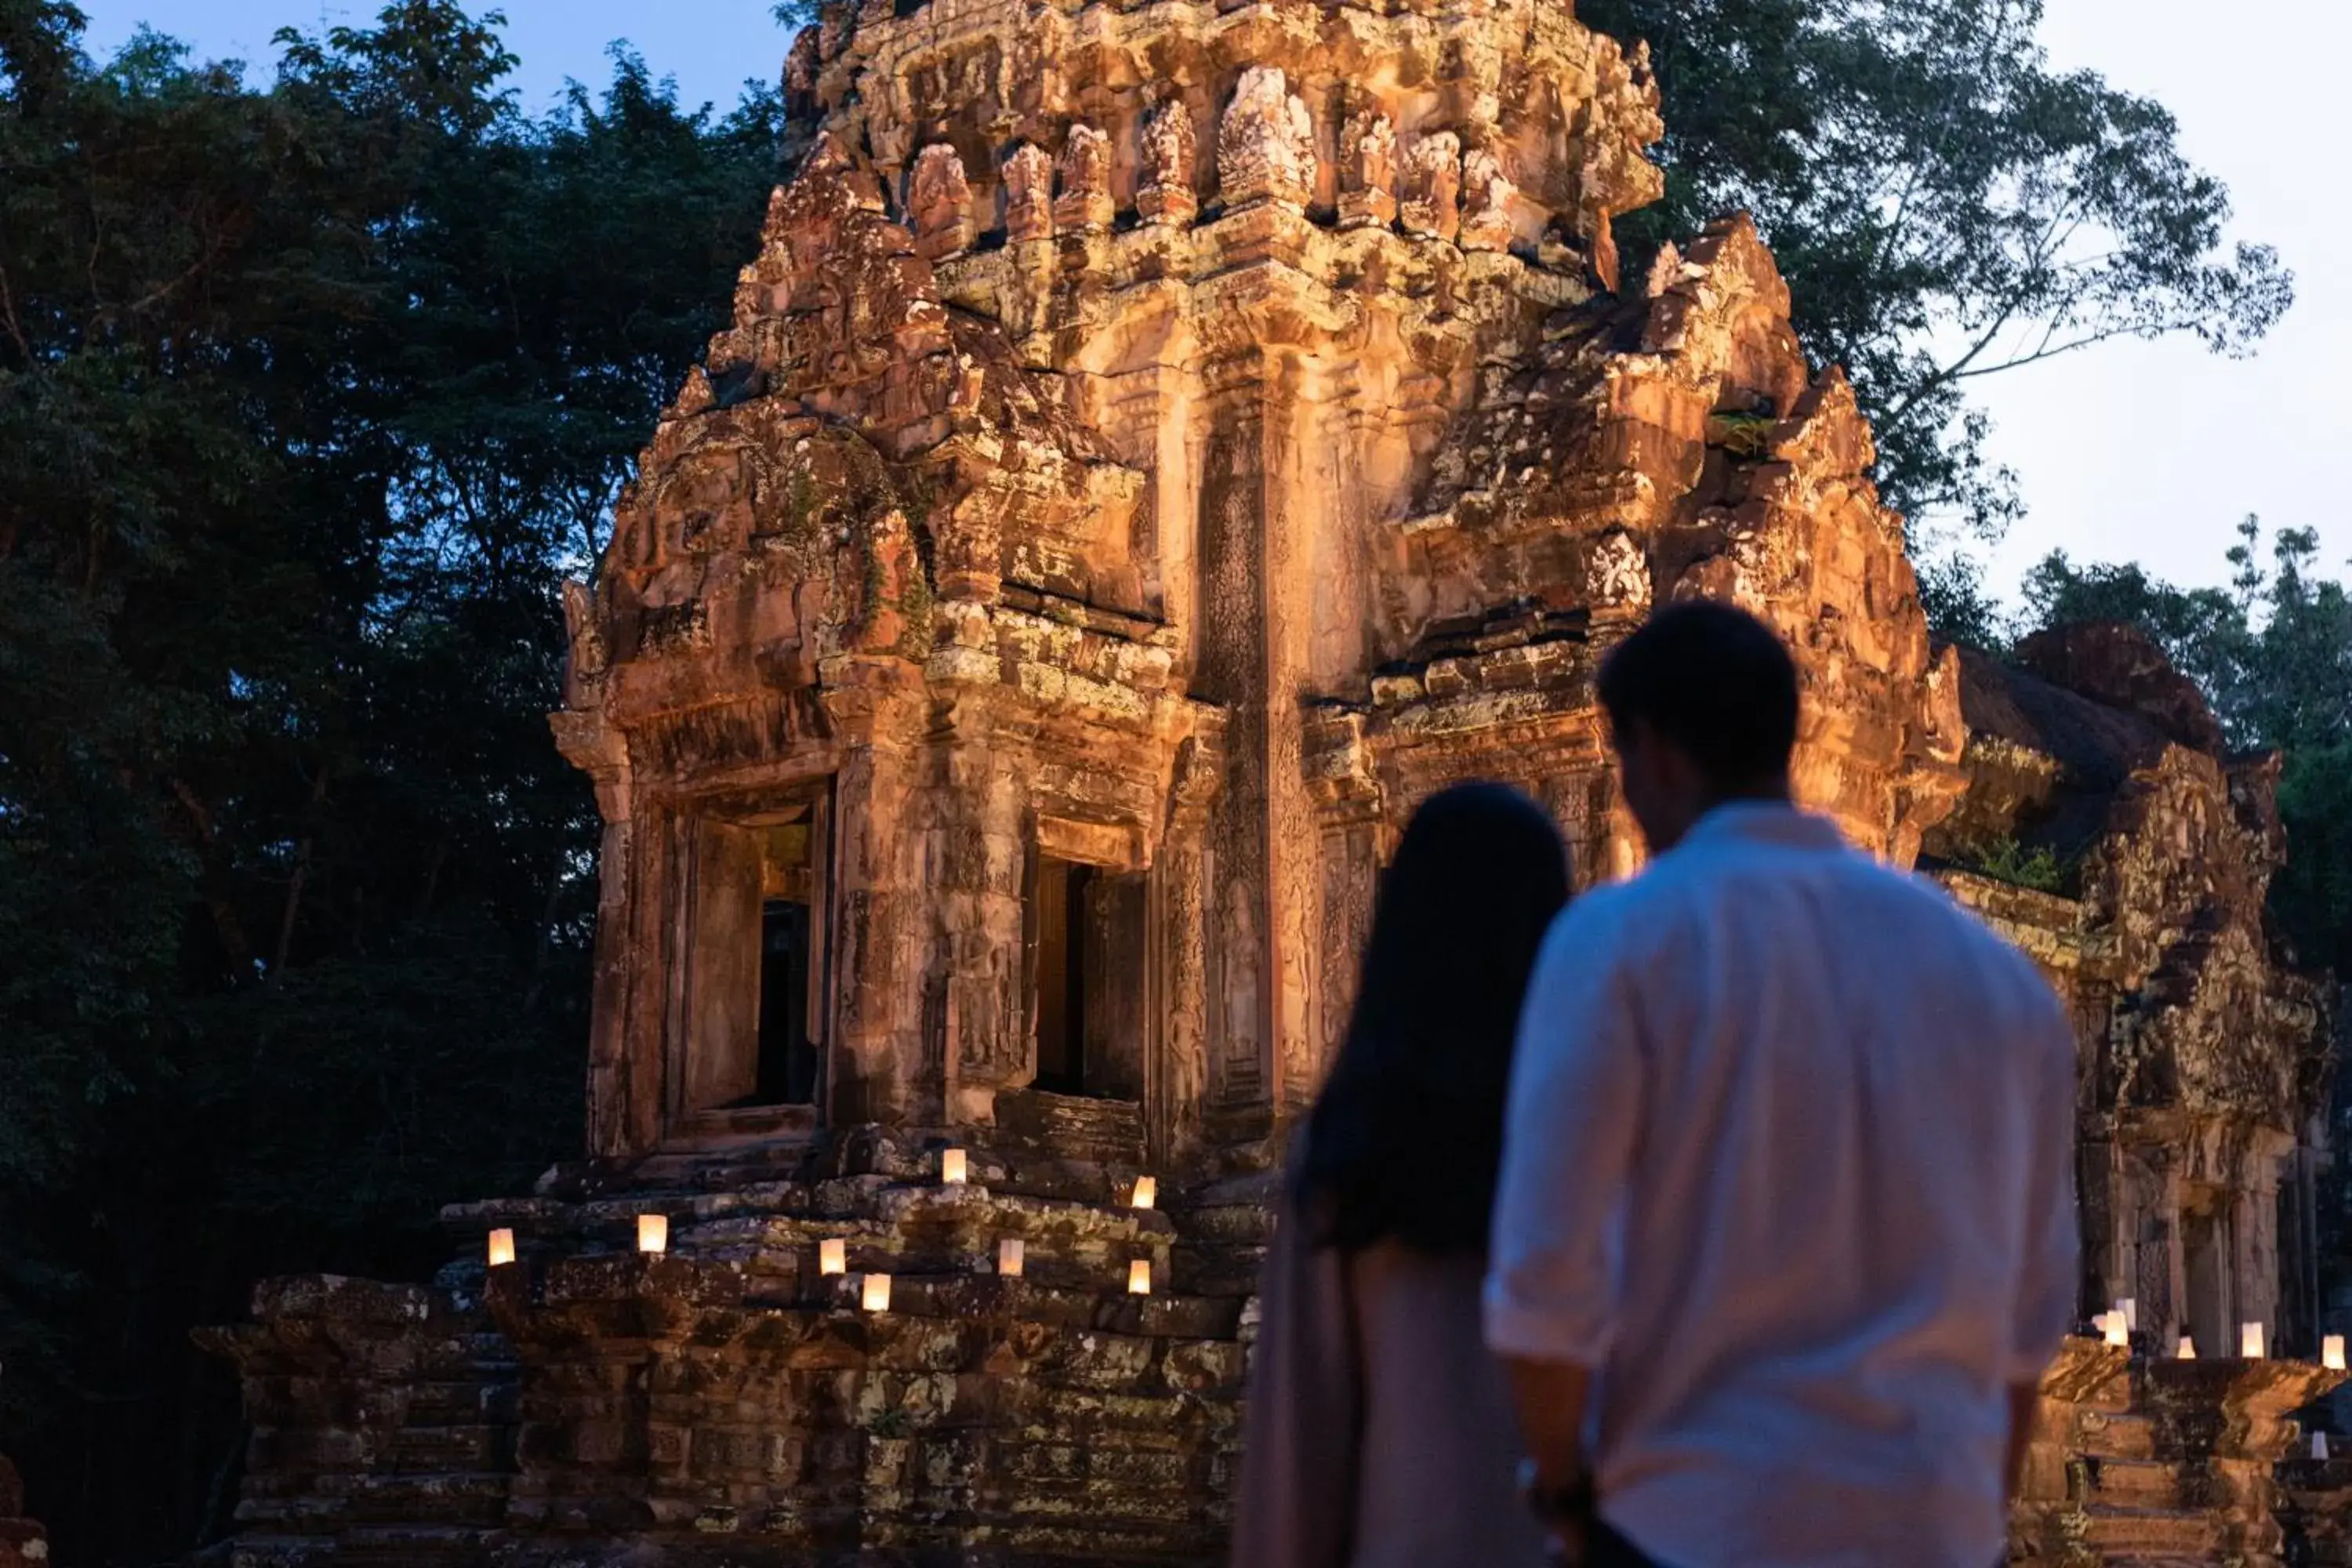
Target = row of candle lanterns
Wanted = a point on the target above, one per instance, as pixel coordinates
(2118, 1326)
(833, 1254)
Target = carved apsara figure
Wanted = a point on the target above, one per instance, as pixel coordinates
(1368, 171)
(1432, 203)
(1265, 146)
(1486, 194)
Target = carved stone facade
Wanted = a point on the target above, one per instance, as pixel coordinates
(1153, 451)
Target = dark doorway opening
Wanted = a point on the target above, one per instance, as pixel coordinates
(787, 1073)
(1088, 931)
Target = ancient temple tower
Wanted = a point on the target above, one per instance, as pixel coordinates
(1154, 448)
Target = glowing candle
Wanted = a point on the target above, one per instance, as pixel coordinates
(2331, 1352)
(1138, 1277)
(2250, 1340)
(1011, 1255)
(653, 1233)
(502, 1249)
(2129, 1306)
(2186, 1350)
(2118, 1331)
(875, 1293)
(954, 1168)
(833, 1256)
(1147, 1192)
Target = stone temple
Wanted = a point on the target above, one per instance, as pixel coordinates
(1157, 446)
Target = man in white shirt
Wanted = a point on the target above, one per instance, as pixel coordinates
(1786, 1230)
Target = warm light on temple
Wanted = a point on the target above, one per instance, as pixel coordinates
(2331, 1352)
(1147, 1192)
(653, 1233)
(1012, 1256)
(2250, 1341)
(2186, 1350)
(833, 1256)
(875, 1293)
(955, 1169)
(502, 1249)
(1138, 1277)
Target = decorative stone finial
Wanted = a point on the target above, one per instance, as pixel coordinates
(1086, 200)
(1265, 147)
(1166, 194)
(1028, 194)
(939, 202)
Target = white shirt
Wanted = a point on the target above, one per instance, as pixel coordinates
(1788, 1165)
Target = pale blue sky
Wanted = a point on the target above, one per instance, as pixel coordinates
(2128, 451)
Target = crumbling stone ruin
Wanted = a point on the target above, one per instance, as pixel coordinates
(1154, 448)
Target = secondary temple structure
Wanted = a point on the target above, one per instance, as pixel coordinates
(1155, 446)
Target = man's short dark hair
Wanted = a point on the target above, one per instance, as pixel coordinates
(1718, 683)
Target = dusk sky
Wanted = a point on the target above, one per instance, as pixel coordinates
(2127, 452)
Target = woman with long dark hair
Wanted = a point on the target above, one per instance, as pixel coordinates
(1379, 1432)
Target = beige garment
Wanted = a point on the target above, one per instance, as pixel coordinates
(1402, 1458)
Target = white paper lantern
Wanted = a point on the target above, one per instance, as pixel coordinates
(502, 1247)
(1138, 1277)
(2117, 1330)
(875, 1293)
(2250, 1341)
(1146, 1193)
(2331, 1352)
(653, 1233)
(2186, 1350)
(1011, 1255)
(955, 1168)
(833, 1256)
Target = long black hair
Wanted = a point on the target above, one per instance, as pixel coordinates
(1408, 1135)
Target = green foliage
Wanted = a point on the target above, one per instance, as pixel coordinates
(1946, 207)
(309, 395)
(2006, 860)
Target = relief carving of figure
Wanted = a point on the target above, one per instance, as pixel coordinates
(1265, 146)
(1368, 171)
(939, 202)
(1617, 577)
(1432, 203)
(1167, 195)
(1028, 194)
(1086, 199)
(1486, 194)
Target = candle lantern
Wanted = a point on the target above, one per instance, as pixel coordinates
(1011, 1256)
(1147, 1192)
(653, 1233)
(833, 1256)
(1138, 1277)
(874, 1294)
(502, 1247)
(2331, 1352)
(955, 1167)
(2186, 1350)
(2250, 1341)
(2118, 1331)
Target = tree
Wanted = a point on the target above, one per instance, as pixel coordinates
(309, 395)
(1946, 207)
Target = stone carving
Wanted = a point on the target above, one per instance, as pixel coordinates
(1433, 186)
(1166, 194)
(1368, 171)
(1485, 201)
(1086, 200)
(1265, 146)
(1028, 194)
(939, 202)
(1115, 602)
